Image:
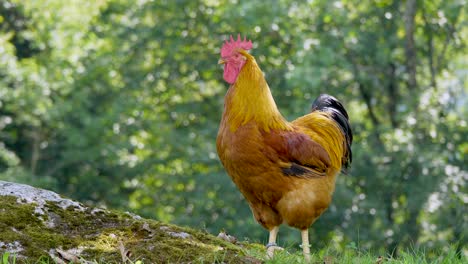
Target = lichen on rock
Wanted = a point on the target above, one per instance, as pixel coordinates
(35, 223)
(12, 247)
(29, 194)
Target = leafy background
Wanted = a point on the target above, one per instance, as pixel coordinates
(117, 103)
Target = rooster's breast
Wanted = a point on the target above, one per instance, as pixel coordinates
(251, 164)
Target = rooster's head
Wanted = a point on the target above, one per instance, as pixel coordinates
(233, 57)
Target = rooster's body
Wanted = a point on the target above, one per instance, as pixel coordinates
(285, 170)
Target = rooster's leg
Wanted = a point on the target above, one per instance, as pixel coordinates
(305, 244)
(271, 246)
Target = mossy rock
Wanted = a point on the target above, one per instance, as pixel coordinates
(36, 223)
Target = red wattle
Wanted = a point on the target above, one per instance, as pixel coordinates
(231, 71)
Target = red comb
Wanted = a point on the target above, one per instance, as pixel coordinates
(232, 45)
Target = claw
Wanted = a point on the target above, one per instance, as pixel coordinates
(271, 248)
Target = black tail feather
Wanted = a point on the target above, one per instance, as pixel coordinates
(329, 104)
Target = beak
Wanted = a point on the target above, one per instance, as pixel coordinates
(221, 61)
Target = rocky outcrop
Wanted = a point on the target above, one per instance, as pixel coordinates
(36, 223)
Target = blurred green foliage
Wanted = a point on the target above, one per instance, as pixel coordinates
(117, 103)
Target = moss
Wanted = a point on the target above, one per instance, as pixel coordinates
(105, 236)
(20, 223)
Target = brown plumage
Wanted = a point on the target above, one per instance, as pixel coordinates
(285, 170)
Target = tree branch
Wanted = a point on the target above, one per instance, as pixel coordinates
(392, 90)
(430, 45)
(410, 48)
(448, 38)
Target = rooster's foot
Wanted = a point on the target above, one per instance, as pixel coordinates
(271, 248)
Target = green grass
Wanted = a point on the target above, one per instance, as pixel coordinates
(8, 258)
(327, 256)
(356, 256)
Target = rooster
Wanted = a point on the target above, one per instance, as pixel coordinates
(285, 170)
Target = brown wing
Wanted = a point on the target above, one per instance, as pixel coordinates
(297, 154)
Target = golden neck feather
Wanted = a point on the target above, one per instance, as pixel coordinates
(250, 99)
